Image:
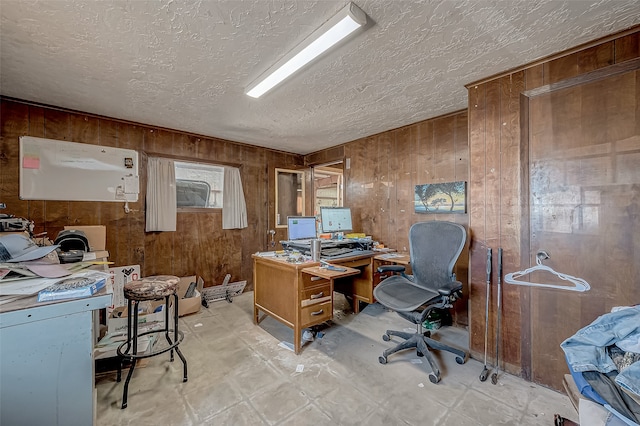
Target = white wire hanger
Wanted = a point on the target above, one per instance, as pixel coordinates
(578, 283)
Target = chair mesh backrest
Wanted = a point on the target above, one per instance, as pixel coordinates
(435, 247)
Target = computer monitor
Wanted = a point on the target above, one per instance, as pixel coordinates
(301, 227)
(336, 219)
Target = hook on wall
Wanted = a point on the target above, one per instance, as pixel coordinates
(541, 255)
(272, 233)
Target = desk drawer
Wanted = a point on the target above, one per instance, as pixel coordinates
(314, 295)
(311, 281)
(316, 313)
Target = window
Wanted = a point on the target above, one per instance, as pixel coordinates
(199, 185)
(192, 193)
(328, 186)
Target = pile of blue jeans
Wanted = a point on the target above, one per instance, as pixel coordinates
(604, 360)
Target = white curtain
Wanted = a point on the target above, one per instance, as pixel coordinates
(234, 209)
(161, 195)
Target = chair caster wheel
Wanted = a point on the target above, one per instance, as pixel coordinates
(433, 378)
(427, 333)
(386, 337)
(419, 353)
(382, 359)
(459, 360)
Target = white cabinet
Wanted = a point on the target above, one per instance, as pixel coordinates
(46, 362)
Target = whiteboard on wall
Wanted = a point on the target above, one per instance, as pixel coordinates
(71, 171)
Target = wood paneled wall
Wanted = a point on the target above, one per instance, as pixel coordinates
(382, 173)
(482, 146)
(200, 245)
(499, 201)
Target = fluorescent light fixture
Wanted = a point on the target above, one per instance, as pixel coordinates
(331, 32)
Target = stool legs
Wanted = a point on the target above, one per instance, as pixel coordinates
(131, 344)
(166, 321)
(129, 340)
(176, 336)
(132, 304)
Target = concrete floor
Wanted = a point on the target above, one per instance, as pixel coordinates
(239, 375)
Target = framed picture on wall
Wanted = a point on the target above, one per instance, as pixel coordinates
(447, 197)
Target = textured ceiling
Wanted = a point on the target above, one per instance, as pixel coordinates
(185, 64)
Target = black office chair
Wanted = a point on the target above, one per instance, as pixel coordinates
(435, 247)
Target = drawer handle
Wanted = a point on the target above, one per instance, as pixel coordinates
(320, 312)
(317, 296)
(316, 278)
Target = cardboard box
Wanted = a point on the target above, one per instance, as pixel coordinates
(148, 318)
(192, 304)
(120, 275)
(96, 235)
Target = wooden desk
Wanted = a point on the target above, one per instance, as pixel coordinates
(359, 287)
(47, 361)
(298, 295)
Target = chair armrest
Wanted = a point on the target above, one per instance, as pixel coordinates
(450, 287)
(391, 268)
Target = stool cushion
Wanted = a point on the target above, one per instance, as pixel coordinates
(151, 288)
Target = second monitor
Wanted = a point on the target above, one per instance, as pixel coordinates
(301, 227)
(336, 219)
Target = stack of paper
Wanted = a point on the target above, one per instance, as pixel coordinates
(39, 268)
(82, 284)
(13, 290)
(107, 346)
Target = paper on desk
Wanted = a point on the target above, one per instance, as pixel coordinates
(266, 253)
(89, 256)
(25, 287)
(12, 272)
(39, 268)
(8, 299)
(46, 269)
(390, 256)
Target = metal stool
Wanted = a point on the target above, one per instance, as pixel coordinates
(147, 289)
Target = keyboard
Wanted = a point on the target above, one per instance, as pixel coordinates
(307, 242)
(335, 251)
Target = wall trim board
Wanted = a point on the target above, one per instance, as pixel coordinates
(590, 77)
(187, 159)
(546, 59)
(138, 124)
(71, 171)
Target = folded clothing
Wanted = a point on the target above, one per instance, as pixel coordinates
(601, 368)
(607, 388)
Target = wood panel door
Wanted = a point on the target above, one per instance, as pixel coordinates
(584, 186)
